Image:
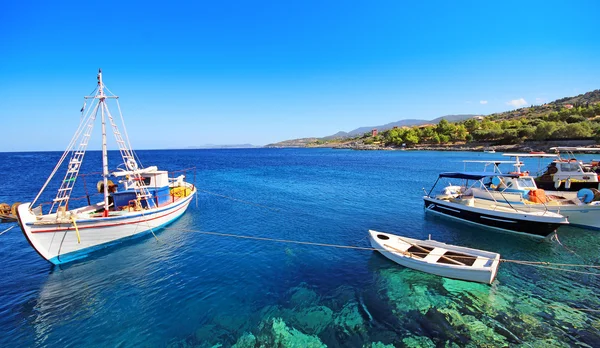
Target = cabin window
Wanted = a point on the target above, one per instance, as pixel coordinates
(525, 182)
(147, 180)
(569, 167)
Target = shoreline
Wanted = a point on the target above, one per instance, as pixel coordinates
(530, 146)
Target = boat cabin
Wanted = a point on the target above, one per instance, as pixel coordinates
(155, 181)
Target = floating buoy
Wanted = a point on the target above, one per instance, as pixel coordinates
(568, 183)
(557, 184)
(585, 195)
(132, 164)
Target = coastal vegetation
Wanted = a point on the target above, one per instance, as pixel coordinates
(567, 118)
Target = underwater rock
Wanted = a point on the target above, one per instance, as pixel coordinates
(283, 336)
(481, 333)
(379, 310)
(349, 318)
(313, 320)
(408, 290)
(270, 312)
(548, 343)
(436, 325)
(379, 345)
(302, 296)
(205, 333)
(231, 323)
(247, 340)
(340, 297)
(418, 342)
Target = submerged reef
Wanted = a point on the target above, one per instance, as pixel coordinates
(406, 308)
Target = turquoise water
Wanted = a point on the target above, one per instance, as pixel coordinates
(193, 289)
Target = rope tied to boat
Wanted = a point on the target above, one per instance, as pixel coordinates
(6, 230)
(540, 264)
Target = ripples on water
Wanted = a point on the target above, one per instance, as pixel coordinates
(192, 289)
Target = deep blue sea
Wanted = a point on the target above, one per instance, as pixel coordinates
(193, 289)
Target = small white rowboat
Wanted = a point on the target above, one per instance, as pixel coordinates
(438, 258)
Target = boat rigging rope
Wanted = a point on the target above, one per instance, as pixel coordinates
(6, 230)
(540, 264)
(84, 121)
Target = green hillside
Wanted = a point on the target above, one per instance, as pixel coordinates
(567, 118)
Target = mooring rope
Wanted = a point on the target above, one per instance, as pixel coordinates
(539, 264)
(6, 230)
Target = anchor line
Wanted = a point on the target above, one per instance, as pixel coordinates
(540, 264)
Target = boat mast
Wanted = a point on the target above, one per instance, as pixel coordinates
(102, 99)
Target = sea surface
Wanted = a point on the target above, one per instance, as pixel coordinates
(191, 289)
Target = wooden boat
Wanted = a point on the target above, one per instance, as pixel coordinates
(438, 258)
(149, 199)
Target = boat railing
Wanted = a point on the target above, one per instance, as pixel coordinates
(501, 192)
(174, 195)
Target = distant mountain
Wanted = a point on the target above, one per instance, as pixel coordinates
(293, 143)
(401, 123)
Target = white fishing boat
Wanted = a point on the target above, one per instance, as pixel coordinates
(438, 258)
(563, 173)
(458, 203)
(149, 198)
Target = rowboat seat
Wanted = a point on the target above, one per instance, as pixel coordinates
(435, 254)
(481, 262)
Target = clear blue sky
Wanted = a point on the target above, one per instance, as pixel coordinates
(230, 72)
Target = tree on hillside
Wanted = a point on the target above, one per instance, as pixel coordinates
(544, 130)
(471, 124)
(577, 130)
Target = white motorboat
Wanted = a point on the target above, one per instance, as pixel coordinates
(563, 174)
(581, 208)
(457, 203)
(61, 232)
(437, 258)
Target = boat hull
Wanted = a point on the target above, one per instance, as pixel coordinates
(59, 243)
(575, 185)
(580, 216)
(480, 274)
(524, 223)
